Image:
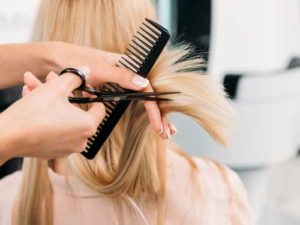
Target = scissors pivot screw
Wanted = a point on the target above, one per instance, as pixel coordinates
(117, 99)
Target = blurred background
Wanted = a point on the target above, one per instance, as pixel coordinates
(252, 47)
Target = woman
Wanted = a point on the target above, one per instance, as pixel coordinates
(136, 178)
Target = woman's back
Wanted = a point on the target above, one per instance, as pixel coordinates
(220, 199)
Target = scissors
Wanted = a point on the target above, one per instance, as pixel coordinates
(111, 96)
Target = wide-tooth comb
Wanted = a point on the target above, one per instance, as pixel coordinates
(140, 57)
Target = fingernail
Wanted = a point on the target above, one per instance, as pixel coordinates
(168, 133)
(174, 129)
(140, 81)
(161, 130)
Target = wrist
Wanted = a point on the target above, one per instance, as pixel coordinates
(54, 56)
(45, 59)
(61, 55)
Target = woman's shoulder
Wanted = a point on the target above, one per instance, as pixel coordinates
(182, 167)
(204, 185)
(9, 186)
(8, 189)
(10, 183)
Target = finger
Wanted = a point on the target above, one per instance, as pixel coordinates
(154, 113)
(124, 77)
(51, 76)
(166, 130)
(172, 127)
(31, 81)
(25, 91)
(110, 57)
(87, 95)
(68, 82)
(96, 110)
(154, 116)
(71, 81)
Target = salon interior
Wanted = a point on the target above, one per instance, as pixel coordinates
(252, 47)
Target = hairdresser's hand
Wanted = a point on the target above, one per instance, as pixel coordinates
(166, 127)
(44, 124)
(103, 70)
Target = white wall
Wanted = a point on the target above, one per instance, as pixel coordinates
(254, 35)
(17, 19)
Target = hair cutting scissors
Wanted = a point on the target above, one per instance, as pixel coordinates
(112, 96)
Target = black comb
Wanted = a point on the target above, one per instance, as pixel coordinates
(140, 57)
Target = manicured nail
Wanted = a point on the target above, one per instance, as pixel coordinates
(140, 81)
(168, 133)
(174, 129)
(161, 130)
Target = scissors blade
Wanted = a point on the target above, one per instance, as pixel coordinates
(137, 99)
(129, 94)
(85, 100)
(153, 99)
(115, 99)
(123, 96)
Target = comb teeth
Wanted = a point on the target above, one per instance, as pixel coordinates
(136, 56)
(141, 55)
(132, 64)
(138, 52)
(133, 59)
(143, 42)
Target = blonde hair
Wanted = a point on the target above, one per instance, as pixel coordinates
(129, 163)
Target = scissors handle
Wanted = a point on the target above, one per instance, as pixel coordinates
(78, 73)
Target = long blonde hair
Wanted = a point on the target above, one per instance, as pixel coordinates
(129, 163)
